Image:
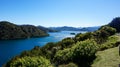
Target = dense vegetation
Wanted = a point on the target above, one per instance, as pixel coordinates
(11, 31)
(115, 23)
(78, 51)
(31, 62)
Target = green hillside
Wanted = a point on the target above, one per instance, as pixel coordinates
(83, 50)
(107, 58)
(11, 31)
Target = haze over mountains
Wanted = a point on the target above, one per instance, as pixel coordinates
(46, 29)
(67, 28)
(9, 30)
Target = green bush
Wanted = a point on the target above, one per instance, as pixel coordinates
(67, 42)
(84, 52)
(81, 52)
(36, 51)
(103, 33)
(82, 37)
(63, 56)
(68, 65)
(110, 43)
(30, 62)
(49, 50)
(108, 29)
(101, 36)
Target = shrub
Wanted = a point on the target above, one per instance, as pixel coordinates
(68, 65)
(101, 36)
(30, 62)
(81, 52)
(110, 43)
(49, 50)
(103, 33)
(84, 52)
(108, 29)
(36, 51)
(82, 37)
(63, 56)
(67, 42)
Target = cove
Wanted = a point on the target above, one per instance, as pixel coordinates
(11, 48)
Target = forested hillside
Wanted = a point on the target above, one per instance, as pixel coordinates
(115, 23)
(11, 31)
(79, 51)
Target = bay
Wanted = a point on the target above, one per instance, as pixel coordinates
(11, 48)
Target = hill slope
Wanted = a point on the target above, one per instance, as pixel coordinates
(11, 31)
(115, 23)
(107, 58)
(46, 29)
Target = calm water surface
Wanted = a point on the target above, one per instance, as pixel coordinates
(11, 48)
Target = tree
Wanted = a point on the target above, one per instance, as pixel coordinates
(103, 33)
(115, 23)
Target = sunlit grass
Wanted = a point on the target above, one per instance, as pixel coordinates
(107, 58)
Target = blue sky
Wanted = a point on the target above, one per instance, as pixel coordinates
(76, 13)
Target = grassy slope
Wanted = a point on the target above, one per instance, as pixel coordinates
(107, 58)
(118, 34)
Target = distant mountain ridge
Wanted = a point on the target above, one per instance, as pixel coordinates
(12, 31)
(90, 29)
(46, 29)
(66, 28)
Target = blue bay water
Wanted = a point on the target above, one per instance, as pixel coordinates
(11, 48)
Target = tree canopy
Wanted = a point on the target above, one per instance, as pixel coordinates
(11, 31)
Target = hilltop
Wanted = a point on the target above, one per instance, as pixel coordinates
(115, 23)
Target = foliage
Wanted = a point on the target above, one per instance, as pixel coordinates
(67, 42)
(115, 23)
(36, 51)
(110, 30)
(30, 62)
(63, 56)
(103, 33)
(80, 50)
(11, 31)
(49, 50)
(68, 65)
(100, 36)
(82, 37)
(32, 31)
(110, 43)
(84, 51)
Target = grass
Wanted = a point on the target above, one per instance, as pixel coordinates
(118, 35)
(107, 58)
